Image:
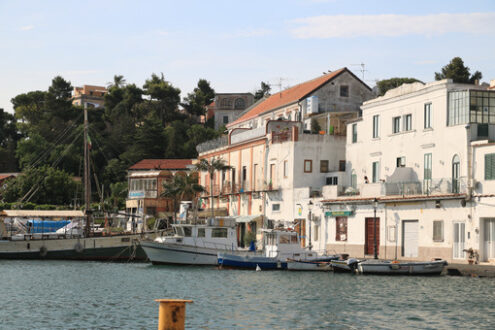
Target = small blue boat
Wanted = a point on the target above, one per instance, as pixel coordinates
(248, 261)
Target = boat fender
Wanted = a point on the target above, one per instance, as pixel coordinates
(78, 247)
(43, 251)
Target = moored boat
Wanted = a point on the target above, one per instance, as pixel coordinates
(193, 244)
(318, 264)
(395, 267)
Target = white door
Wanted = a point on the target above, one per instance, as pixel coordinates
(489, 239)
(410, 238)
(459, 239)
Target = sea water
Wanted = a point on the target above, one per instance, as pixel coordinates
(82, 295)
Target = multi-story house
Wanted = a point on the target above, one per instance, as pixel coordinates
(420, 171)
(90, 96)
(274, 161)
(145, 182)
(227, 107)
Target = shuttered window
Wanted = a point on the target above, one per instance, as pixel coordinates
(490, 167)
(341, 229)
(438, 231)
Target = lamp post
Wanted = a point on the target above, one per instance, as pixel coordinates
(310, 206)
(375, 205)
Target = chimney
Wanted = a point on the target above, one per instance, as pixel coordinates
(492, 83)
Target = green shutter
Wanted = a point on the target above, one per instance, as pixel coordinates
(490, 167)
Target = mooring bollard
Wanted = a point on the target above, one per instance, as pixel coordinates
(172, 313)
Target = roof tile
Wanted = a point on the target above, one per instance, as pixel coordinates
(161, 164)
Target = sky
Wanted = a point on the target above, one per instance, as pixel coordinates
(237, 44)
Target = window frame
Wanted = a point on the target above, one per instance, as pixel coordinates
(376, 126)
(286, 169)
(344, 91)
(310, 162)
(396, 125)
(408, 122)
(324, 168)
(354, 133)
(438, 237)
(427, 116)
(489, 166)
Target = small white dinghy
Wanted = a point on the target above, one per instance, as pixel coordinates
(396, 267)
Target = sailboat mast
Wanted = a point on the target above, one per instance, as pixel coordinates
(87, 182)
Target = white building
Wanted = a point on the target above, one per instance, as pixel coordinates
(421, 157)
(275, 162)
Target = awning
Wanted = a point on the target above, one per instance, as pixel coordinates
(247, 218)
(43, 213)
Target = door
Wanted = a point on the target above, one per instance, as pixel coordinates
(410, 238)
(459, 239)
(369, 244)
(489, 239)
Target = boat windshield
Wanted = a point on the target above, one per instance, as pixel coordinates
(187, 231)
(201, 232)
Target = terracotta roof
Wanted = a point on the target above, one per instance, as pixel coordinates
(5, 176)
(162, 164)
(288, 96)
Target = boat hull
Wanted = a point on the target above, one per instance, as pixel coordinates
(177, 254)
(308, 265)
(105, 248)
(250, 262)
(402, 268)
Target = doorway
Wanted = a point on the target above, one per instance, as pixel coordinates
(459, 240)
(369, 244)
(410, 238)
(489, 239)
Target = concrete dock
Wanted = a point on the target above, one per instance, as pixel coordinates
(479, 270)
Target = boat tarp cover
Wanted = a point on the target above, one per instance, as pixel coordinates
(43, 213)
(45, 226)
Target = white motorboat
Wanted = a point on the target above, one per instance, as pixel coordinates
(396, 267)
(282, 248)
(193, 244)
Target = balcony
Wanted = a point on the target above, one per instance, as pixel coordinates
(282, 136)
(246, 135)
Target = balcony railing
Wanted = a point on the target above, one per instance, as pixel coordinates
(212, 144)
(282, 136)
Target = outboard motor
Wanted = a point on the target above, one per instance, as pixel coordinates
(352, 262)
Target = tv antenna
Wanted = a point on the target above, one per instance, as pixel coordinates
(363, 69)
(279, 85)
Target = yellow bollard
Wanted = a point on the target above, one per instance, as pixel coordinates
(172, 313)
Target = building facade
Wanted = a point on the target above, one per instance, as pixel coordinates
(418, 177)
(227, 107)
(145, 185)
(90, 96)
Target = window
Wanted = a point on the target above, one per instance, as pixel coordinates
(255, 171)
(376, 119)
(244, 174)
(396, 125)
(187, 231)
(427, 173)
(341, 229)
(225, 119)
(408, 122)
(323, 166)
(308, 166)
(342, 165)
(427, 115)
(201, 232)
(438, 231)
(239, 104)
(275, 207)
(219, 232)
(401, 161)
(286, 169)
(354, 133)
(376, 172)
(353, 179)
(456, 167)
(331, 181)
(226, 102)
(233, 175)
(316, 231)
(344, 91)
(490, 167)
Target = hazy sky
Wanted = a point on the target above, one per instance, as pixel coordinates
(237, 44)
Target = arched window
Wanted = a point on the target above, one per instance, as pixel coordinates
(240, 104)
(225, 102)
(456, 169)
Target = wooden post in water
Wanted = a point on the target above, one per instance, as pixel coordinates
(172, 314)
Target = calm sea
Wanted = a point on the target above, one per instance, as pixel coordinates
(74, 295)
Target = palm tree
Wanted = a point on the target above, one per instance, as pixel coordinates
(181, 186)
(118, 82)
(216, 164)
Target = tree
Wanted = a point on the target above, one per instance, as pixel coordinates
(118, 82)
(181, 185)
(8, 142)
(315, 126)
(216, 164)
(164, 98)
(264, 91)
(196, 102)
(118, 194)
(387, 84)
(458, 72)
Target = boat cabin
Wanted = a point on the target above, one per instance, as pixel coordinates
(282, 244)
